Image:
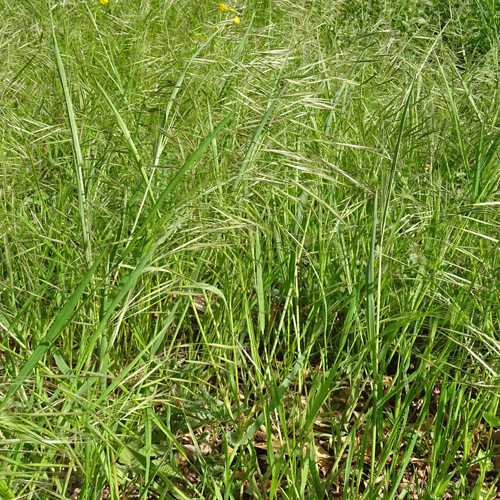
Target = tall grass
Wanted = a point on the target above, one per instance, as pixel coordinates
(249, 261)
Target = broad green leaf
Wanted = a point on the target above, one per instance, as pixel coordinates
(493, 420)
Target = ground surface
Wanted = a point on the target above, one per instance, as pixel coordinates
(249, 253)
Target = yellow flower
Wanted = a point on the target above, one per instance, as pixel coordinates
(221, 7)
(104, 2)
(237, 20)
(231, 10)
(200, 37)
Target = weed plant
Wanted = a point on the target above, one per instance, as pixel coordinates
(249, 260)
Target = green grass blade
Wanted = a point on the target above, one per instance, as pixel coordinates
(129, 283)
(259, 285)
(128, 138)
(5, 491)
(236, 58)
(161, 139)
(82, 209)
(255, 140)
(195, 156)
(275, 400)
(55, 330)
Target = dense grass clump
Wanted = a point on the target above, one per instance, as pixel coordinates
(252, 259)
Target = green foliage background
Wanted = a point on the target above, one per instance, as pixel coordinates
(293, 240)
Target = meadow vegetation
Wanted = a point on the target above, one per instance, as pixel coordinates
(254, 259)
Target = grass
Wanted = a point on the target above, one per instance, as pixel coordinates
(249, 261)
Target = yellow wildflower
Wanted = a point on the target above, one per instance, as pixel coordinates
(104, 2)
(237, 20)
(222, 7)
(231, 10)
